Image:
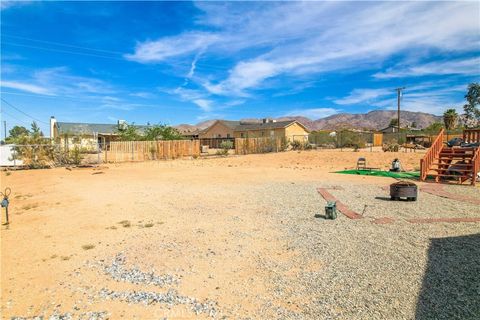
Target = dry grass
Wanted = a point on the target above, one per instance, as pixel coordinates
(88, 246)
(30, 206)
(125, 223)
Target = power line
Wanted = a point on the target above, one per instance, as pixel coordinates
(14, 117)
(63, 44)
(185, 64)
(62, 51)
(21, 111)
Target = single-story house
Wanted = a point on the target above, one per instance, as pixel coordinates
(219, 129)
(290, 129)
(87, 135)
(389, 129)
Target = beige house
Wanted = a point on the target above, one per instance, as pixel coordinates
(290, 129)
(219, 129)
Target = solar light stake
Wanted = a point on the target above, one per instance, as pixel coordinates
(331, 210)
(5, 201)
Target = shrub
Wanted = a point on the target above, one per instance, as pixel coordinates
(296, 145)
(348, 139)
(283, 144)
(307, 146)
(75, 156)
(224, 147)
(392, 147)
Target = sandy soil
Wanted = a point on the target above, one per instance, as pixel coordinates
(227, 229)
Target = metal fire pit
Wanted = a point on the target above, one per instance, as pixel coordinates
(403, 189)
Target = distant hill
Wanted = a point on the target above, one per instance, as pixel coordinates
(375, 120)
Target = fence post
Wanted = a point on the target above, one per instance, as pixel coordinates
(131, 146)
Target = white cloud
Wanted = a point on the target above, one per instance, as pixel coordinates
(204, 104)
(363, 96)
(59, 82)
(23, 86)
(5, 4)
(313, 113)
(245, 75)
(144, 95)
(462, 67)
(168, 47)
(62, 82)
(309, 38)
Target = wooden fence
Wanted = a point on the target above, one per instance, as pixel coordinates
(122, 151)
(215, 143)
(259, 145)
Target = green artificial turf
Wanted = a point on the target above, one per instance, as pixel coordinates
(380, 173)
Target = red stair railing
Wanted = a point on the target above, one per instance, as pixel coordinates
(431, 154)
(471, 135)
(476, 165)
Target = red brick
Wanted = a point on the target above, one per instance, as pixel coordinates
(340, 206)
(438, 190)
(384, 220)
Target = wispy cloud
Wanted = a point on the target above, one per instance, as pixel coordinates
(142, 94)
(320, 37)
(58, 81)
(204, 104)
(469, 66)
(169, 47)
(6, 4)
(363, 96)
(425, 97)
(27, 87)
(313, 113)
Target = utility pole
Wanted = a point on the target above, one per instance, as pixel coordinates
(399, 95)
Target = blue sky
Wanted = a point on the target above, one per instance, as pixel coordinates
(184, 62)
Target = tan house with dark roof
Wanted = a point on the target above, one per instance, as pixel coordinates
(219, 129)
(290, 129)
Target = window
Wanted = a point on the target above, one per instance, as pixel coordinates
(242, 135)
(228, 135)
(263, 133)
(272, 133)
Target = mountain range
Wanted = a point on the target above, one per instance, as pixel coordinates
(373, 120)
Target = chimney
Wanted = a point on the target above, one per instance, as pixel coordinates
(53, 125)
(267, 120)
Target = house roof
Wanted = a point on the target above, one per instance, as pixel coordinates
(229, 123)
(268, 125)
(76, 128)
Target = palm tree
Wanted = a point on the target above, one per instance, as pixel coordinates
(450, 118)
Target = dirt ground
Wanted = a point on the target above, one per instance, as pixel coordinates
(232, 237)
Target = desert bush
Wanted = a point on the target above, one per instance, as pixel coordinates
(75, 156)
(297, 145)
(348, 139)
(390, 147)
(283, 144)
(224, 147)
(307, 146)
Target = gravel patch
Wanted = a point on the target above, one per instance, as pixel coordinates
(171, 298)
(375, 203)
(91, 315)
(118, 272)
(353, 269)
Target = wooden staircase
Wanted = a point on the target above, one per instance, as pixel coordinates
(450, 163)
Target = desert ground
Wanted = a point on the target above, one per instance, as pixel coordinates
(241, 237)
